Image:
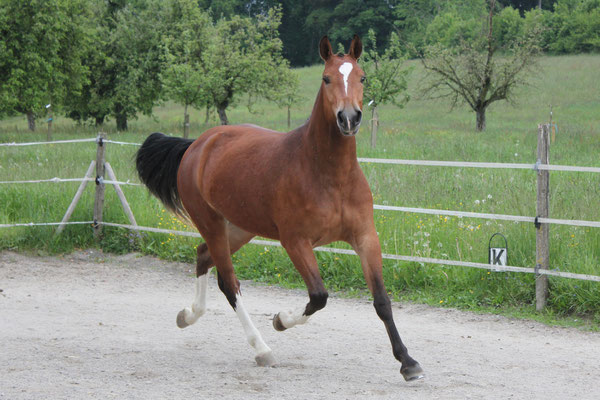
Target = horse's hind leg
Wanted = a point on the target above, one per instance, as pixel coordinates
(264, 356)
(190, 315)
(301, 254)
(204, 263)
(230, 286)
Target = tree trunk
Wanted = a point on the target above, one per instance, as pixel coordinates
(289, 119)
(31, 120)
(222, 115)
(121, 122)
(186, 122)
(374, 125)
(540, 4)
(99, 121)
(480, 120)
(121, 117)
(207, 115)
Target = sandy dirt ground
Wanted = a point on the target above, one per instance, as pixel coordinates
(89, 325)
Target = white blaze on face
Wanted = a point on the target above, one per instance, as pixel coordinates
(345, 70)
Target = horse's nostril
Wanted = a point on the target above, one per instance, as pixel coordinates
(340, 117)
(358, 117)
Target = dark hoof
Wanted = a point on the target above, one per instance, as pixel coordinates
(412, 373)
(277, 324)
(265, 360)
(181, 319)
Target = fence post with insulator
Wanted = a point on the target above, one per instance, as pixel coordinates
(542, 235)
(99, 200)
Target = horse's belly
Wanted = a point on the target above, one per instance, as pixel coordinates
(243, 208)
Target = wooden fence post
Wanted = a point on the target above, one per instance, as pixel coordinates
(50, 119)
(99, 200)
(374, 125)
(542, 237)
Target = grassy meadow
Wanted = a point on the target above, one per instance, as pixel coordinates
(424, 129)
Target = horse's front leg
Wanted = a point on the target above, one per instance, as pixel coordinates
(369, 250)
(301, 254)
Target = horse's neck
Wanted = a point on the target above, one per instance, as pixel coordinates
(325, 147)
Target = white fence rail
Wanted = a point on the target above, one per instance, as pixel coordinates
(465, 164)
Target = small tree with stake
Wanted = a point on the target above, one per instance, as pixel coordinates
(243, 56)
(386, 78)
(472, 73)
(184, 78)
(285, 93)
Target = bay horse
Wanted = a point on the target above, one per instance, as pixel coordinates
(303, 188)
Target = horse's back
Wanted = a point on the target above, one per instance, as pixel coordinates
(229, 146)
(239, 136)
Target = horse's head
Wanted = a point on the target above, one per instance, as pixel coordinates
(342, 86)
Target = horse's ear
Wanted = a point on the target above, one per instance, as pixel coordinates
(325, 48)
(355, 48)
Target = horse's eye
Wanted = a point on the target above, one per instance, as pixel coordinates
(363, 79)
(326, 80)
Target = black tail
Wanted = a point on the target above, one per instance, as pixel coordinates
(157, 162)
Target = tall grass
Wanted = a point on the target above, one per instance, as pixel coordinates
(425, 129)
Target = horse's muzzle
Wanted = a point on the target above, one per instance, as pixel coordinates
(348, 120)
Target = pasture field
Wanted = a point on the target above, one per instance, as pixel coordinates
(425, 129)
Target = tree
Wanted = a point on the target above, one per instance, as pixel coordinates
(286, 93)
(386, 79)
(41, 47)
(138, 55)
(184, 77)
(358, 17)
(526, 5)
(95, 99)
(412, 18)
(125, 62)
(471, 72)
(244, 57)
(576, 26)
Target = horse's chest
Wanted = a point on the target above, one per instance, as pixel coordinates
(323, 217)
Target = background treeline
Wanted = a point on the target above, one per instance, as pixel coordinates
(95, 60)
(573, 26)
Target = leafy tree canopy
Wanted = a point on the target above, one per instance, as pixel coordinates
(188, 30)
(41, 47)
(244, 57)
(124, 63)
(386, 77)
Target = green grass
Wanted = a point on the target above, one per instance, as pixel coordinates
(425, 129)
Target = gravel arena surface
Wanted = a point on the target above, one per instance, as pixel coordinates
(90, 325)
